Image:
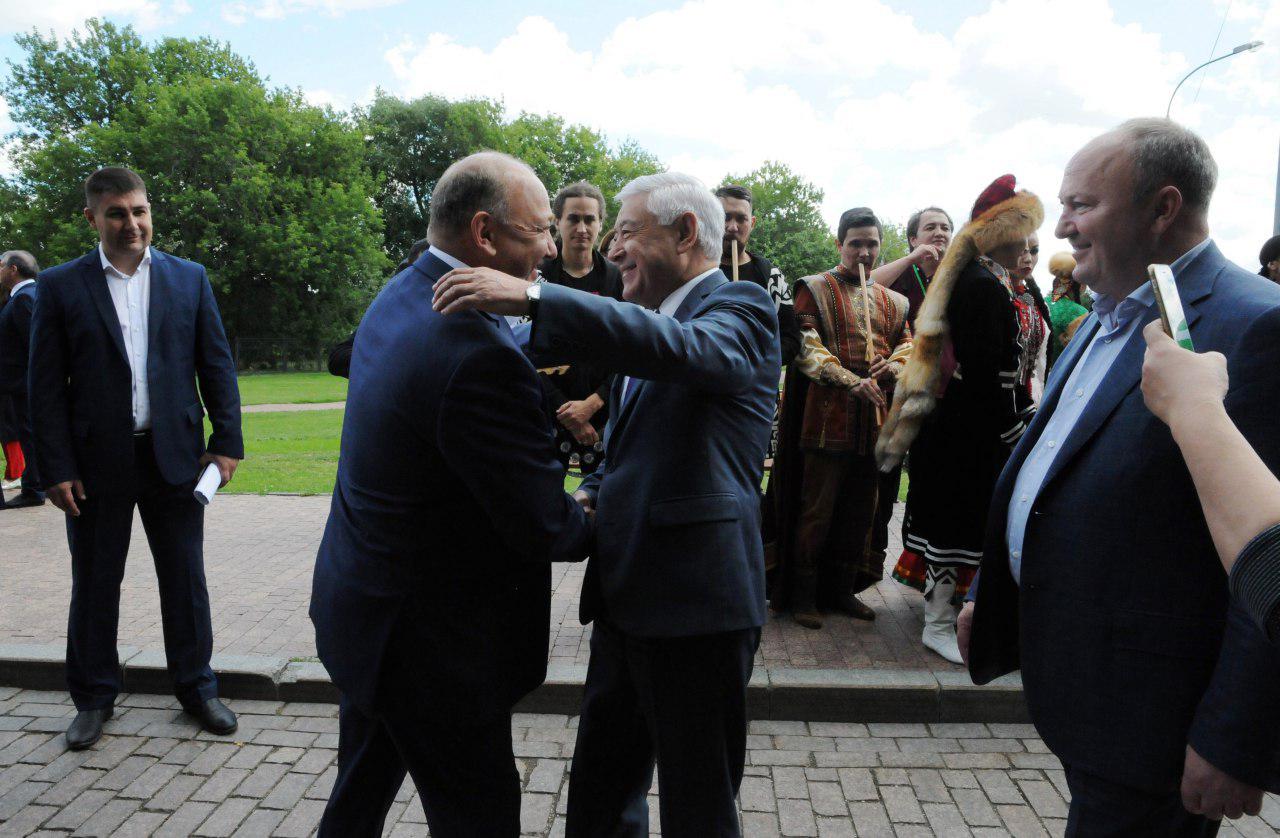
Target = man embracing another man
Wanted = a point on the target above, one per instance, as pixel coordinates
(675, 585)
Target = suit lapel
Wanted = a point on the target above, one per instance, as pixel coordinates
(699, 293)
(158, 305)
(95, 281)
(683, 314)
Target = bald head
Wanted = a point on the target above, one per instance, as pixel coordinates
(490, 210)
(481, 182)
(1163, 153)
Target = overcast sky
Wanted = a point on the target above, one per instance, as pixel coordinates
(891, 104)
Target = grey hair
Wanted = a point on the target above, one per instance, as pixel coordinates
(476, 183)
(1165, 153)
(24, 261)
(672, 194)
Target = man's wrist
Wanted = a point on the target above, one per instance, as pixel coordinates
(532, 296)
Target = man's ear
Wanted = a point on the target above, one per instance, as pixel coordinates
(88, 215)
(1166, 208)
(483, 227)
(753, 224)
(687, 231)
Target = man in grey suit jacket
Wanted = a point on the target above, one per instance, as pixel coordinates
(676, 582)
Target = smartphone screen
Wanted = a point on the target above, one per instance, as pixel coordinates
(1170, 305)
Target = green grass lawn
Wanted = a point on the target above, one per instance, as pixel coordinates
(295, 452)
(291, 388)
(289, 452)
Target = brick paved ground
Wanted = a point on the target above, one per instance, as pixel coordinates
(154, 773)
(259, 553)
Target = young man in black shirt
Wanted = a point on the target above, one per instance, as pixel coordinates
(577, 394)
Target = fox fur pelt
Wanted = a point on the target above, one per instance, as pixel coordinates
(916, 392)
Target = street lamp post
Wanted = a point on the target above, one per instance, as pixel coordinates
(1276, 231)
(1252, 45)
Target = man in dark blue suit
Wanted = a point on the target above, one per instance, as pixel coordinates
(676, 580)
(119, 339)
(432, 588)
(1100, 579)
(18, 270)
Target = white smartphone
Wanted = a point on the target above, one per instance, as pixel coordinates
(1170, 305)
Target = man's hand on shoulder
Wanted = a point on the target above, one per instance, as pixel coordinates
(584, 500)
(226, 466)
(1209, 791)
(65, 494)
(483, 289)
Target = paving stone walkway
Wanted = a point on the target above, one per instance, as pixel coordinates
(155, 773)
(259, 553)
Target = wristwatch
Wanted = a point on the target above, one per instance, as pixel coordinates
(533, 294)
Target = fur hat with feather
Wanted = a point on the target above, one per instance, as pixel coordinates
(1000, 216)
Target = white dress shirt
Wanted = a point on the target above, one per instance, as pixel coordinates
(21, 285)
(669, 307)
(132, 298)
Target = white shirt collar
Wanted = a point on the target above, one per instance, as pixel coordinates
(21, 285)
(672, 303)
(446, 258)
(107, 266)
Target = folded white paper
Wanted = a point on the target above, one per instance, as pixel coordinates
(208, 484)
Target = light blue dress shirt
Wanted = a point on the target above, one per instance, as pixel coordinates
(1117, 322)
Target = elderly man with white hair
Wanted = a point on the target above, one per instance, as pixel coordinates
(675, 584)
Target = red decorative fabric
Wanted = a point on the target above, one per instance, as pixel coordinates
(15, 463)
(1001, 189)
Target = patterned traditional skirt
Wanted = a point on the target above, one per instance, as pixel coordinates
(923, 565)
(953, 474)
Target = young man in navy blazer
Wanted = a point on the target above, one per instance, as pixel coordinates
(676, 580)
(119, 339)
(432, 590)
(1100, 580)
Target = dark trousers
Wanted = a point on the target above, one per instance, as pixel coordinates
(1104, 809)
(99, 538)
(681, 701)
(837, 511)
(31, 484)
(887, 496)
(465, 771)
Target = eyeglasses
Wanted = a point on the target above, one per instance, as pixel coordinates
(532, 230)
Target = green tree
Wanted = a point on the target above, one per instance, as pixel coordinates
(789, 230)
(410, 144)
(408, 147)
(893, 243)
(270, 194)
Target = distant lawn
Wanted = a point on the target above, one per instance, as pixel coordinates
(291, 388)
(295, 453)
(289, 452)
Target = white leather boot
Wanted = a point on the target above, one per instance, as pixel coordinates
(940, 619)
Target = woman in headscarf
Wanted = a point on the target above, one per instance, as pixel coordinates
(958, 405)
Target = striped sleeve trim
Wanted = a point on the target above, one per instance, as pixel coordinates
(1255, 580)
(1012, 435)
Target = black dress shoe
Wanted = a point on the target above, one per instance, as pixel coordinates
(87, 728)
(214, 716)
(24, 499)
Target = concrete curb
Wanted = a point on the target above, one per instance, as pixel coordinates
(818, 695)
